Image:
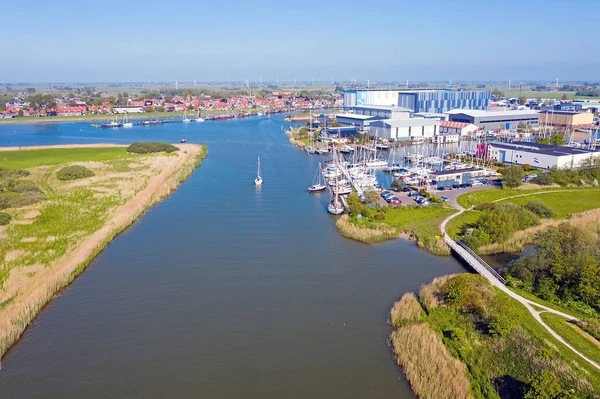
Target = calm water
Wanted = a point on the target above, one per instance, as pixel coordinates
(222, 290)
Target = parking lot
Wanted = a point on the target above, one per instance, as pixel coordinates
(451, 194)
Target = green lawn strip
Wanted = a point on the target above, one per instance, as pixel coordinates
(455, 225)
(563, 203)
(53, 156)
(533, 326)
(477, 197)
(423, 221)
(533, 298)
(572, 335)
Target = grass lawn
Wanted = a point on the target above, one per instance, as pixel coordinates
(455, 225)
(53, 156)
(573, 335)
(423, 221)
(563, 203)
(533, 298)
(477, 197)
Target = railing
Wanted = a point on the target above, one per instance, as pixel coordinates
(481, 261)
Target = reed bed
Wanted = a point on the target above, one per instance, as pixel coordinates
(50, 263)
(406, 310)
(378, 233)
(430, 295)
(430, 369)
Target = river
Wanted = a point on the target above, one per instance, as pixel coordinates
(222, 290)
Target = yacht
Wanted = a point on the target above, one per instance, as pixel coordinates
(258, 181)
(318, 182)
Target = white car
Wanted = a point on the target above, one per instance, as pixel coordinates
(477, 183)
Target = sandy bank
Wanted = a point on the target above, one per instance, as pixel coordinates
(24, 296)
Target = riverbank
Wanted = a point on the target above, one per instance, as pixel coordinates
(462, 338)
(49, 243)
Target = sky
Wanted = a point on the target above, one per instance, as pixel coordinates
(124, 41)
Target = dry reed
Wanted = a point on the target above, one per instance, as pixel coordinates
(363, 234)
(38, 288)
(406, 310)
(430, 369)
(430, 295)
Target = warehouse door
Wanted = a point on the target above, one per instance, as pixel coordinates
(502, 156)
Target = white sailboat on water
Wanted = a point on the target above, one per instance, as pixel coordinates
(126, 122)
(318, 184)
(258, 181)
(199, 118)
(335, 207)
(185, 117)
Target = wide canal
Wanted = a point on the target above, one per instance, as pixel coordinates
(222, 290)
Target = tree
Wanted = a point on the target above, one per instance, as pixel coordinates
(542, 140)
(521, 127)
(372, 197)
(20, 113)
(111, 99)
(512, 176)
(2, 107)
(558, 139)
(521, 100)
(190, 107)
(564, 97)
(497, 93)
(149, 109)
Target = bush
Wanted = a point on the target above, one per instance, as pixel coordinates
(4, 218)
(74, 172)
(543, 179)
(147, 147)
(539, 208)
(526, 167)
(512, 176)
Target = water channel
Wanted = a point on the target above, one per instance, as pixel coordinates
(222, 290)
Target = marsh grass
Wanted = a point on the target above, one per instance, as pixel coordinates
(406, 310)
(72, 227)
(377, 233)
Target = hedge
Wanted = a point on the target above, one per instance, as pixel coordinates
(141, 147)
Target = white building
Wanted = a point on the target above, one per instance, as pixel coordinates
(128, 110)
(542, 156)
(382, 111)
(361, 122)
(446, 138)
(460, 128)
(405, 129)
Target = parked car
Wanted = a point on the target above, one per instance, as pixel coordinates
(444, 198)
(394, 201)
(406, 189)
(441, 188)
(477, 183)
(386, 194)
(455, 186)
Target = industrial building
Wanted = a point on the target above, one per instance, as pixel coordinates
(382, 111)
(460, 128)
(363, 115)
(448, 178)
(440, 101)
(495, 119)
(542, 156)
(572, 119)
(352, 98)
(405, 129)
(127, 110)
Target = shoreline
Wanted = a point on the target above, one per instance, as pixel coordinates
(64, 271)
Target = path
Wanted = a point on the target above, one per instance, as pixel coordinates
(472, 260)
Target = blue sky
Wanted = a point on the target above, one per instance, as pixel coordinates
(218, 40)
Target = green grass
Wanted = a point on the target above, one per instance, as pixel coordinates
(573, 336)
(53, 156)
(455, 225)
(564, 203)
(423, 221)
(533, 298)
(477, 197)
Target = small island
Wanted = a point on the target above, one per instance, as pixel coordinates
(61, 205)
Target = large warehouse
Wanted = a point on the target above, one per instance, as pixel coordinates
(495, 119)
(382, 111)
(405, 129)
(572, 119)
(542, 156)
(352, 98)
(440, 101)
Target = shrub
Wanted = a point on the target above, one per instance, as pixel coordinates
(147, 147)
(467, 292)
(6, 173)
(4, 218)
(539, 208)
(543, 179)
(512, 176)
(74, 172)
(380, 215)
(526, 167)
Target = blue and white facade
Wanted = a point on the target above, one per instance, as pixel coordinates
(440, 101)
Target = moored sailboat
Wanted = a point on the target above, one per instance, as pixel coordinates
(318, 184)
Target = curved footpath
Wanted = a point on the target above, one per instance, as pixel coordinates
(496, 283)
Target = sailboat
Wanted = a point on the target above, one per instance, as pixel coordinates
(335, 207)
(199, 118)
(126, 122)
(318, 184)
(185, 117)
(258, 180)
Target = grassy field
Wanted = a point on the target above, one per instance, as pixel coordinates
(478, 197)
(576, 337)
(490, 343)
(564, 203)
(25, 158)
(455, 225)
(48, 243)
(423, 221)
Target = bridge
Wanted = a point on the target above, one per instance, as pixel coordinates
(481, 267)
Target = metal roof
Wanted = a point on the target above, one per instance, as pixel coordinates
(479, 113)
(456, 171)
(547, 149)
(383, 107)
(407, 122)
(355, 116)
